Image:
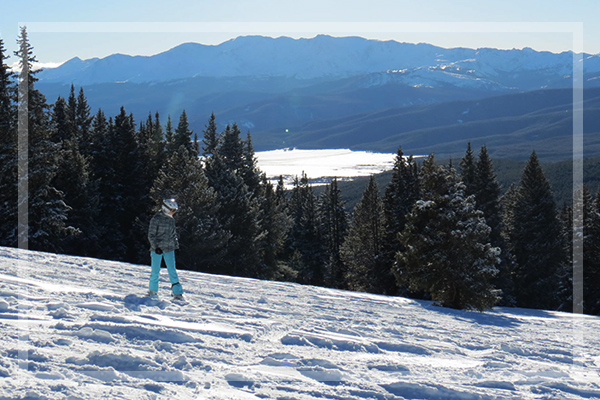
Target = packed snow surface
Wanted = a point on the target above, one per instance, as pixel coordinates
(79, 328)
(322, 165)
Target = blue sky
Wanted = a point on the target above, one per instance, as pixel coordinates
(148, 27)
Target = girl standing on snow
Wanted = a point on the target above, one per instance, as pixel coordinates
(163, 239)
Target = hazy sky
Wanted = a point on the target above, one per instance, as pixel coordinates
(62, 29)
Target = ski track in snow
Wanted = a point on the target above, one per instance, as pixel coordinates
(79, 328)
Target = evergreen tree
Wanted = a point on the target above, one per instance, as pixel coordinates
(334, 227)
(448, 253)
(400, 195)
(232, 149)
(535, 240)
(362, 249)
(275, 224)
(201, 237)
(72, 179)
(183, 137)
(47, 212)
(566, 282)
(170, 136)
(487, 192)
(211, 137)
(8, 155)
(305, 238)
(591, 257)
(249, 170)
(83, 124)
(239, 215)
(120, 165)
(468, 171)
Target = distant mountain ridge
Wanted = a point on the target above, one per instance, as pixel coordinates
(331, 58)
(347, 92)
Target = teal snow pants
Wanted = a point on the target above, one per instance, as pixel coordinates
(154, 275)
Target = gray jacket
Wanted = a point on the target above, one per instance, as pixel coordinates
(162, 233)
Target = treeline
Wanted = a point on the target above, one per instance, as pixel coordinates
(438, 232)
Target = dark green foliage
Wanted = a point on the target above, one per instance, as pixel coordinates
(211, 137)
(8, 155)
(305, 237)
(447, 245)
(400, 195)
(334, 227)
(362, 249)
(47, 212)
(591, 258)
(202, 239)
(534, 237)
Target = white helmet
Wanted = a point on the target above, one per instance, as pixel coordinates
(169, 206)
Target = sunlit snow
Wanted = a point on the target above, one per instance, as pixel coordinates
(79, 328)
(322, 165)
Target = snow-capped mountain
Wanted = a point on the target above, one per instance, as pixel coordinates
(80, 328)
(326, 57)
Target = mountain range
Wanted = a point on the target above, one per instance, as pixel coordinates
(347, 92)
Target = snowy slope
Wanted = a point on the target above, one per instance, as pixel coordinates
(79, 328)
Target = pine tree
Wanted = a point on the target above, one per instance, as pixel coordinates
(304, 241)
(400, 195)
(211, 137)
(535, 240)
(201, 237)
(334, 227)
(182, 137)
(120, 164)
(275, 224)
(72, 179)
(448, 253)
(232, 148)
(468, 171)
(47, 212)
(362, 249)
(249, 170)
(487, 192)
(591, 258)
(8, 155)
(239, 215)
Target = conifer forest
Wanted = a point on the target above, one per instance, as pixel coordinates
(448, 233)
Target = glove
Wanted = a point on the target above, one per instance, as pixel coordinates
(158, 250)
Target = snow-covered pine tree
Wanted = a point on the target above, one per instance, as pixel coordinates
(334, 227)
(47, 211)
(535, 240)
(487, 192)
(447, 250)
(8, 154)
(400, 195)
(202, 238)
(362, 250)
